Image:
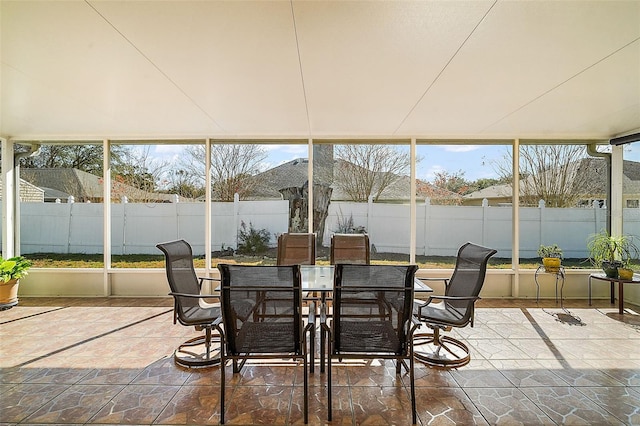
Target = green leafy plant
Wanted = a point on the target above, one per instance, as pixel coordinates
(550, 251)
(251, 240)
(13, 268)
(611, 252)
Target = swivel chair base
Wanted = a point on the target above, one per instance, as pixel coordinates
(193, 353)
(440, 351)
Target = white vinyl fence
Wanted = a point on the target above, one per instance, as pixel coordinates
(137, 228)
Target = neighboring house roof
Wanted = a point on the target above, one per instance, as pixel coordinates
(494, 191)
(28, 193)
(85, 186)
(51, 195)
(589, 179)
(290, 174)
(294, 174)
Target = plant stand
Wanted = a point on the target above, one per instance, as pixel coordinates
(559, 276)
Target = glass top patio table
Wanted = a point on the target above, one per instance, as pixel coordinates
(319, 278)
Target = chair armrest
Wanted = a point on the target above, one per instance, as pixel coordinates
(415, 321)
(195, 296)
(218, 325)
(415, 324)
(445, 280)
(442, 298)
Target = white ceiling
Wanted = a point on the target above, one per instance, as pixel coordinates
(435, 69)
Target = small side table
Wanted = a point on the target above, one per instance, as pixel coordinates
(603, 277)
(559, 277)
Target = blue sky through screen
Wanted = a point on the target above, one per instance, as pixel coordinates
(475, 161)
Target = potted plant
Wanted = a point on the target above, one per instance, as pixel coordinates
(625, 272)
(551, 257)
(11, 270)
(611, 252)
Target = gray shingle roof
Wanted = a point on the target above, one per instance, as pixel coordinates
(85, 186)
(294, 174)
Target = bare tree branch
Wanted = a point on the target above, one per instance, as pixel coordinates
(367, 170)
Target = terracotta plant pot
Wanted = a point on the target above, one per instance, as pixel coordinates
(551, 264)
(8, 294)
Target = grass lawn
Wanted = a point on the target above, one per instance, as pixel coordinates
(55, 260)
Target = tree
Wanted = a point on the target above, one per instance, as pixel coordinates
(367, 170)
(87, 158)
(483, 183)
(183, 184)
(547, 173)
(137, 175)
(453, 182)
(233, 167)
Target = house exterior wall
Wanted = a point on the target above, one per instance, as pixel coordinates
(28, 193)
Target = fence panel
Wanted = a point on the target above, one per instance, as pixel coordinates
(136, 228)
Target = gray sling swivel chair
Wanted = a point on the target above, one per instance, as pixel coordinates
(455, 309)
(190, 307)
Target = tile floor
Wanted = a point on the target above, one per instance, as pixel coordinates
(109, 361)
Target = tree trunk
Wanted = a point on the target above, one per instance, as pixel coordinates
(321, 201)
(298, 202)
(298, 208)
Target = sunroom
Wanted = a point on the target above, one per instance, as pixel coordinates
(465, 90)
(123, 124)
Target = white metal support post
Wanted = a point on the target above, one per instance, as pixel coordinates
(207, 208)
(106, 216)
(9, 201)
(412, 202)
(616, 201)
(515, 223)
(310, 185)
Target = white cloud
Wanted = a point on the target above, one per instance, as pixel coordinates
(288, 149)
(430, 173)
(169, 149)
(461, 148)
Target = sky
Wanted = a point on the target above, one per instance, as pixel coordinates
(474, 161)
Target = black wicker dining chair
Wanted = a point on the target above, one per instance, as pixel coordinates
(453, 309)
(372, 328)
(190, 307)
(262, 318)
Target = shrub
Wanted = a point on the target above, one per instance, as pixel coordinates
(346, 226)
(251, 240)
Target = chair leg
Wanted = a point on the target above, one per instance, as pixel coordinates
(306, 391)
(222, 391)
(413, 387)
(207, 342)
(329, 384)
(323, 347)
(312, 341)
